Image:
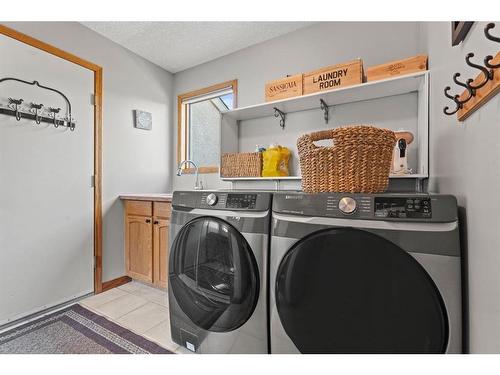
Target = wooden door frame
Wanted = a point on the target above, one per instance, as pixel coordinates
(97, 137)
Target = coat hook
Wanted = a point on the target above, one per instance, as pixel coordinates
(324, 107)
(455, 99)
(487, 29)
(35, 108)
(487, 60)
(488, 74)
(471, 91)
(278, 113)
(14, 104)
(54, 112)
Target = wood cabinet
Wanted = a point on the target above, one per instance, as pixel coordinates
(160, 252)
(146, 241)
(139, 248)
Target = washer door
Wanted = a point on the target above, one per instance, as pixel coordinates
(350, 291)
(213, 274)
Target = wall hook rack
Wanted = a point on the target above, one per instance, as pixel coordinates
(324, 108)
(480, 89)
(35, 111)
(282, 115)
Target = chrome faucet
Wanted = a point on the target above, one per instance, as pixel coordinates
(198, 185)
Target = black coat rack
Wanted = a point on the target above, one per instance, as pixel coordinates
(36, 111)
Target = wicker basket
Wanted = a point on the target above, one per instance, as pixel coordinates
(358, 162)
(242, 164)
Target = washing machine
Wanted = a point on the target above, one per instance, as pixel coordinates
(218, 258)
(365, 273)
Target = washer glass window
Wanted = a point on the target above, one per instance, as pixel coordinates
(213, 274)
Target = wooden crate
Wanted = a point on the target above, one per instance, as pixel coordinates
(335, 76)
(395, 68)
(284, 88)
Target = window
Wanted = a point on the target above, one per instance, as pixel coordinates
(199, 116)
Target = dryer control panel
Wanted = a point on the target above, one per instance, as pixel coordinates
(412, 208)
(383, 206)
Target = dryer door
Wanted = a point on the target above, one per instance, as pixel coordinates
(213, 274)
(350, 291)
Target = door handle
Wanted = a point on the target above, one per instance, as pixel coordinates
(148, 221)
(156, 222)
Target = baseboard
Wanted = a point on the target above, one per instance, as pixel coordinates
(115, 283)
(38, 314)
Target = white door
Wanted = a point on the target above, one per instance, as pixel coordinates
(46, 196)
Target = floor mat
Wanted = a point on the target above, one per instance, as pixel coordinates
(75, 330)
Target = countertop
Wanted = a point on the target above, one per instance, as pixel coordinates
(147, 197)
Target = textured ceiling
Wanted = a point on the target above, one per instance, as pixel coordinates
(176, 46)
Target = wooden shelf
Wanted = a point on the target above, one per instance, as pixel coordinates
(261, 178)
(298, 178)
(364, 91)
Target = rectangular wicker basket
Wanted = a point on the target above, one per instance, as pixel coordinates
(358, 162)
(247, 164)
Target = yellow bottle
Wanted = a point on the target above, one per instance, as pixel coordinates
(275, 161)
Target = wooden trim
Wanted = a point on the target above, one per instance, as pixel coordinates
(115, 283)
(233, 84)
(7, 31)
(212, 169)
(98, 123)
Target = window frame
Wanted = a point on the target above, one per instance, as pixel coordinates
(182, 127)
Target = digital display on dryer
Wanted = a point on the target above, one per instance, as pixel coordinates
(401, 208)
(241, 201)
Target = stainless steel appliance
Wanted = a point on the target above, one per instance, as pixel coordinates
(365, 273)
(218, 271)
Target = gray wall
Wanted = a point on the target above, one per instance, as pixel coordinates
(465, 161)
(300, 51)
(134, 161)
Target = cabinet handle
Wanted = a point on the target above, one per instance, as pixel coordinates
(148, 221)
(156, 222)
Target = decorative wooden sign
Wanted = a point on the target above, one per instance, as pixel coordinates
(283, 88)
(332, 77)
(482, 94)
(395, 68)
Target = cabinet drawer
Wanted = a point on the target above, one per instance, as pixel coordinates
(140, 208)
(162, 209)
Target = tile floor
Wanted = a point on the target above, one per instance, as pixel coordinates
(139, 308)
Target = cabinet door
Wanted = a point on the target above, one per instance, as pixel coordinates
(160, 238)
(139, 247)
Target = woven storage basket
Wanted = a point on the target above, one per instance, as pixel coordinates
(358, 162)
(242, 164)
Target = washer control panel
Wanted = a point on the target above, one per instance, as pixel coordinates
(237, 200)
(408, 207)
(224, 200)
